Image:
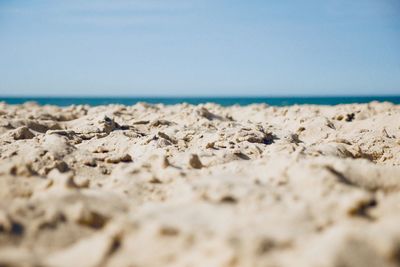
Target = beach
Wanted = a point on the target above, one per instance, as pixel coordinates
(200, 185)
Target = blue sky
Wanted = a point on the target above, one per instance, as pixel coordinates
(199, 47)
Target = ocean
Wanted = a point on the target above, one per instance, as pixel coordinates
(224, 101)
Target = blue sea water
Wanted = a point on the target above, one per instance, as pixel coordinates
(224, 101)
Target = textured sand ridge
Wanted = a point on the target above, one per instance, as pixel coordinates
(183, 185)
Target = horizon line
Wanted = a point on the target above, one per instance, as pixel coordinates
(202, 96)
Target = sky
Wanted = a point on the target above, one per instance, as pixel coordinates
(199, 47)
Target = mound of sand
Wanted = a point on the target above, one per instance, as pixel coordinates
(183, 185)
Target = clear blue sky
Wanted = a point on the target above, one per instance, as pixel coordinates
(199, 47)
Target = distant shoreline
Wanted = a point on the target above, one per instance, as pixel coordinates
(224, 101)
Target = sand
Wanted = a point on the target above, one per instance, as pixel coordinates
(183, 185)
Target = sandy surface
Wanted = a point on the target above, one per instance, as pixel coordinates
(153, 185)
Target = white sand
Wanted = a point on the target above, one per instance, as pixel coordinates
(153, 185)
